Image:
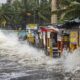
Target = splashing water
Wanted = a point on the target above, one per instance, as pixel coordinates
(24, 52)
(2, 37)
(72, 61)
(15, 56)
(9, 45)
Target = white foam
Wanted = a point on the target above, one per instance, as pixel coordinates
(72, 61)
(2, 37)
(24, 52)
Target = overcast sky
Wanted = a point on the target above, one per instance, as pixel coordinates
(2, 1)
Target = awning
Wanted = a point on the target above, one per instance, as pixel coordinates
(49, 29)
(71, 24)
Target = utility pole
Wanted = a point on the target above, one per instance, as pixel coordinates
(53, 8)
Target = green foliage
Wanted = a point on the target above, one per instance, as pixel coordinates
(19, 10)
(25, 11)
(70, 10)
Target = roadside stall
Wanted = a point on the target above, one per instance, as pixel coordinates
(50, 40)
(72, 38)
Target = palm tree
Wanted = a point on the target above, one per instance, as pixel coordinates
(67, 9)
(33, 9)
(4, 13)
(73, 11)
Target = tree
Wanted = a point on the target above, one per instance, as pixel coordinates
(53, 8)
(37, 10)
(73, 12)
(22, 12)
(67, 10)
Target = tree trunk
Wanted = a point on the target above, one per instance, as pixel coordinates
(53, 8)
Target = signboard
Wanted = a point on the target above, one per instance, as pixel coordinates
(31, 26)
(74, 37)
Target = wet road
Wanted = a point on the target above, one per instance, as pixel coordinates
(12, 69)
(20, 61)
(42, 74)
(16, 67)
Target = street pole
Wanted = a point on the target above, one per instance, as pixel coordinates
(53, 8)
